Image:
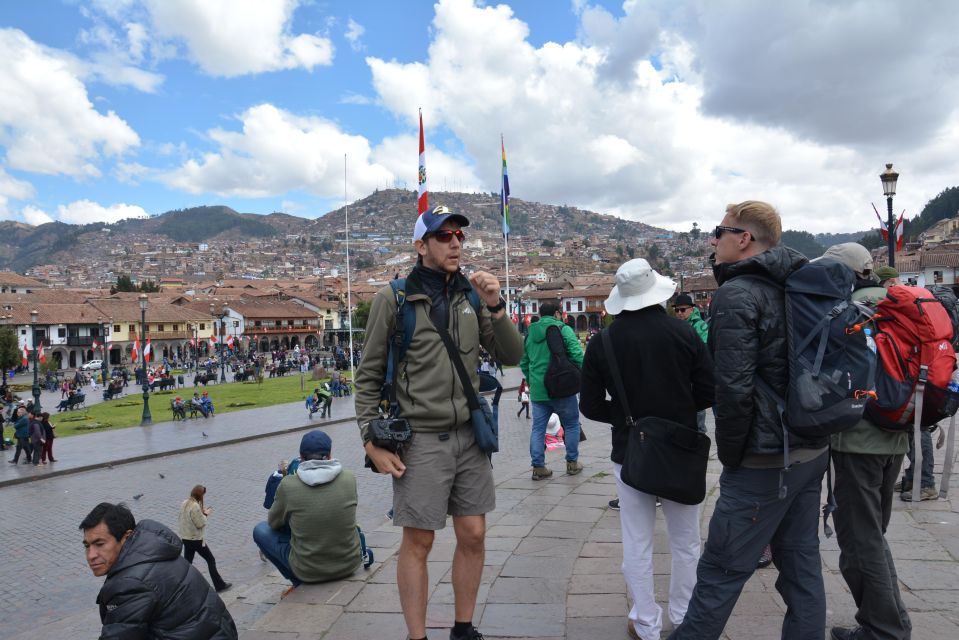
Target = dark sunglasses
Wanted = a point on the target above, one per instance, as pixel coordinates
(720, 230)
(682, 309)
(446, 235)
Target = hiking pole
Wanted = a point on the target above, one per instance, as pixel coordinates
(917, 436)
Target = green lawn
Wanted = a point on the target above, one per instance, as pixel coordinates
(128, 410)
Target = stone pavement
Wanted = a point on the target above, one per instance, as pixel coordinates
(553, 570)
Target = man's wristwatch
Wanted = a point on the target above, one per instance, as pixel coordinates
(497, 307)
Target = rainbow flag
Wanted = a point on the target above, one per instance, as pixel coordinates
(504, 192)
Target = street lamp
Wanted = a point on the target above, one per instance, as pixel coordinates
(889, 178)
(147, 419)
(104, 366)
(220, 337)
(36, 362)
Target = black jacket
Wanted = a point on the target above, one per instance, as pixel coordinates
(666, 370)
(747, 338)
(153, 592)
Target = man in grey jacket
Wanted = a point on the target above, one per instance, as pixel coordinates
(443, 471)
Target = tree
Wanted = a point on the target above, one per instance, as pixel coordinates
(547, 243)
(694, 233)
(803, 242)
(9, 350)
(361, 314)
(123, 284)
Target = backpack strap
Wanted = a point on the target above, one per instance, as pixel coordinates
(399, 340)
(554, 340)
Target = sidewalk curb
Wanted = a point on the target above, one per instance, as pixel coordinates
(109, 464)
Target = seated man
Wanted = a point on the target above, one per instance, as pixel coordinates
(310, 534)
(207, 403)
(150, 590)
(179, 409)
(67, 402)
(197, 404)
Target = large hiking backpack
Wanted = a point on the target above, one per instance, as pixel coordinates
(947, 298)
(913, 343)
(830, 366)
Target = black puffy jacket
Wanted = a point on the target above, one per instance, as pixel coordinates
(153, 592)
(747, 338)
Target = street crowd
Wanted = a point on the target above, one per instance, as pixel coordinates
(652, 375)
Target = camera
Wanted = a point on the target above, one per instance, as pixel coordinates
(392, 434)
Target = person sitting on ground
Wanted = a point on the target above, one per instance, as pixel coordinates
(150, 590)
(310, 534)
(273, 482)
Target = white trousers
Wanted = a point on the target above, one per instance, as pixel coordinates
(637, 516)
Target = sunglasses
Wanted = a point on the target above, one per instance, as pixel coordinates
(720, 230)
(446, 235)
(682, 309)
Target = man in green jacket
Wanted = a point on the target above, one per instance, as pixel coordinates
(535, 361)
(310, 534)
(442, 472)
(867, 461)
(686, 310)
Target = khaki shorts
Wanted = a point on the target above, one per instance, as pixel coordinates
(446, 474)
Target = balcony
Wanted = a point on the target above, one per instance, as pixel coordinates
(79, 341)
(282, 329)
(169, 335)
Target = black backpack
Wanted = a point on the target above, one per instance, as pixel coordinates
(562, 377)
(948, 299)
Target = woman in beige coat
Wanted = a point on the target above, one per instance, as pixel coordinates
(193, 518)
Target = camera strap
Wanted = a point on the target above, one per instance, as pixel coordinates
(614, 374)
(471, 400)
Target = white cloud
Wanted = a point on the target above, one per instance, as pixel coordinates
(12, 189)
(237, 37)
(399, 155)
(34, 216)
(130, 172)
(49, 124)
(354, 31)
(115, 56)
(356, 98)
(277, 151)
(633, 118)
(85, 212)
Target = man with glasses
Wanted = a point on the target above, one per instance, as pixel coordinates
(443, 471)
(685, 309)
(759, 503)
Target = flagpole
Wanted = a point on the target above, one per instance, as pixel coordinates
(504, 204)
(349, 292)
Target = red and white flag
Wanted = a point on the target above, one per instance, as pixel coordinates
(883, 229)
(192, 342)
(147, 351)
(212, 342)
(230, 341)
(900, 240)
(424, 197)
(41, 355)
(25, 355)
(135, 354)
(95, 345)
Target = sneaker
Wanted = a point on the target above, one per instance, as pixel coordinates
(226, 587)
(841, 633)
(539, 473)
(898, 489)
(573, 468)
(472, 634)
(765, 558)
(287, 592)
(614, 504)
(926, 493)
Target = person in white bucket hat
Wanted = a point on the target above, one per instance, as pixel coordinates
(666, 373)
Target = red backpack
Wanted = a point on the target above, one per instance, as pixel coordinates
(913, 334)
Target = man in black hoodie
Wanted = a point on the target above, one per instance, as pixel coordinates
(760, 502)
(150, 591)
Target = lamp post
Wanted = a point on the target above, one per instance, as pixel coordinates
(36, 362)
(147, 419)
(104, 365)
(889, 178)
(220, 337)
(5, 319)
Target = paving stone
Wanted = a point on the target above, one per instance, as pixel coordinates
(596, 489)
(574, 514)
(607, 628)
(502, 543)
(443, 593)
(510, 530)
(918, 574)
(337, 593)
(602, 550)
(560, 529)
(520, 620)
(593, 566)
(596, 605)
(376, 598)
(257, 634)
(543, 498)
(299, 618)
(367, 625)
(597, 583)
(537, 546)
(507, 590)
(538, 567)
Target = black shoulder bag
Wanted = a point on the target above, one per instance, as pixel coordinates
(562, 377)
(663, 458)
(485, 424)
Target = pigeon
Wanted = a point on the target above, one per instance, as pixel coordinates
(138, 496)
(162, 476)
(204, 434)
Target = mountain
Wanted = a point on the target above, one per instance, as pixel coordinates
(392, 212)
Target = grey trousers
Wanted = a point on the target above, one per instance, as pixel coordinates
(749, 515)
(864, 490)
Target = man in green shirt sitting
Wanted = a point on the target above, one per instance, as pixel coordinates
(310, 534)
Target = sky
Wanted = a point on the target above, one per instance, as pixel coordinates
(661, 111)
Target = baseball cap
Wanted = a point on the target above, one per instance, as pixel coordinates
(432, 220)
(885, 273)
(315, 442)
